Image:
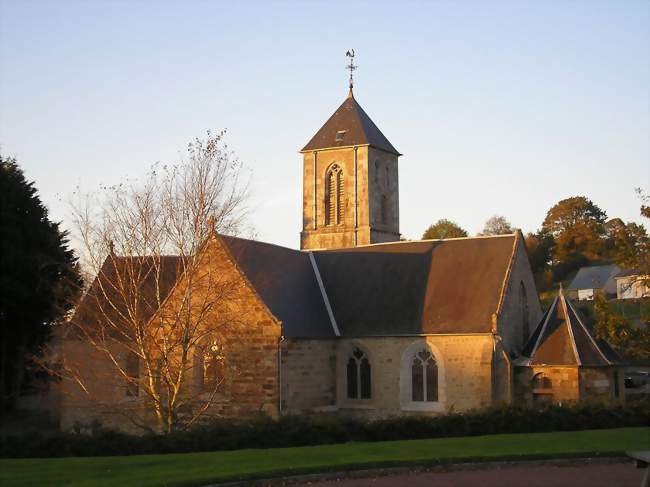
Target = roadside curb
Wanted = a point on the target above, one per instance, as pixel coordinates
(438, 467)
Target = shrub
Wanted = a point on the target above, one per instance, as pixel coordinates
(264, 432)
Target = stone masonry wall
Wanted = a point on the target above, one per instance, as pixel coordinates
(371, 185)
(599, 384)
(308, 375)
(383, 180)
(464, 365)
(565, 385)
(242, 324)
(510, 321)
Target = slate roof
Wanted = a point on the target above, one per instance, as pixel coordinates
(285, 280)
(596, 277)
(359, 130)
(107, 300)
(401, 288)
(563, 338)
(394, 289)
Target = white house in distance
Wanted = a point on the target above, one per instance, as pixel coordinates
(630, 285)
(593, 279)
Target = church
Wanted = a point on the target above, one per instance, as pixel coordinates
(358, 322)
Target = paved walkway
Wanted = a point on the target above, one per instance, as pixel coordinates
(591, 475)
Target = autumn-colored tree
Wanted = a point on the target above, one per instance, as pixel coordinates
(633, 245)
(497, 225)
(617, 330)
(611, 228)
(443, 229)
(539, 251)
(577, 226)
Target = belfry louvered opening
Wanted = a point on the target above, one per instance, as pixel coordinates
(334, 196)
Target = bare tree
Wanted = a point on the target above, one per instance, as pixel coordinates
(496, 225)
(149, 324)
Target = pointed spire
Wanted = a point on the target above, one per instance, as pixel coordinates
(111, 247)
(212, 224)
(562, 338)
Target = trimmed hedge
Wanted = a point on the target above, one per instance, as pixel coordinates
(264, 432)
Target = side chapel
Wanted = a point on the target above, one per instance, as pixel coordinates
(359, 322)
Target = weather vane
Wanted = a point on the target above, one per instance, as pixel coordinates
(351, 66)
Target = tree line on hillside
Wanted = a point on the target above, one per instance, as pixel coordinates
(575, 233)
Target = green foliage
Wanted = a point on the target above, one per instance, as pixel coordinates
(617, 330)
(443, 229)
(576, 226)
(627, 244)
(290, 431)
(38, 277)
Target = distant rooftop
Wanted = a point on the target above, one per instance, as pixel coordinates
(596, 277)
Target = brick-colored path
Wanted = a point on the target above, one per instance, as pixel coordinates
(594, 475)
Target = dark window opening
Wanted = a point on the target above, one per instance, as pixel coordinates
(209, 364)
(365, 378)
(424, 377)
(334, 196)
(358, 375)
(542, 381)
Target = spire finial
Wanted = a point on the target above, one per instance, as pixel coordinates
(212, 223)
(111, 247)
(351, 67)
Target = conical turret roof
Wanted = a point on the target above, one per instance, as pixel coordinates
(563, 338)
(349, 125)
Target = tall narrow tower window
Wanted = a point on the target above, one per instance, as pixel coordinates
(334, 196)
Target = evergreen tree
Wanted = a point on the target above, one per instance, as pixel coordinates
(39, 278)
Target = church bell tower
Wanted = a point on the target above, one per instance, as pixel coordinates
(350, 182)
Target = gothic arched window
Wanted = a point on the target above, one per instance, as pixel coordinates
(358, 375)
(523, 304)
(424, 377)
(209, 366)
(334, 196)
(542, 381)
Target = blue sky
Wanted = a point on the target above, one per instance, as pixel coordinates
(500, 107)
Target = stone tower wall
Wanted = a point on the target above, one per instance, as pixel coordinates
(373, 181)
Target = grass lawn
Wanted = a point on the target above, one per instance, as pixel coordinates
(203, 468)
